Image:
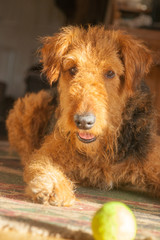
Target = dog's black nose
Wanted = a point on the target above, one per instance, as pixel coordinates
(84, 121)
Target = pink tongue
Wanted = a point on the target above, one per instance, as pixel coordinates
(85, 135)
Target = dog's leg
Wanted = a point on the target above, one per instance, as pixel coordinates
(145, 175)
(152, 169)
(46, 182)
(27, 122)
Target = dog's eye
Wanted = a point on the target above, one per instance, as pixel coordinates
(110, 74)
(73, 71)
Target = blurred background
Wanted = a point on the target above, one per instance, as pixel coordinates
(22, 22)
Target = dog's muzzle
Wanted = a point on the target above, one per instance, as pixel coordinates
(85, 122)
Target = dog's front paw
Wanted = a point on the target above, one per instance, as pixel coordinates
(46, 190)
(62, 194)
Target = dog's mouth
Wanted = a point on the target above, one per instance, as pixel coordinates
(86, 137)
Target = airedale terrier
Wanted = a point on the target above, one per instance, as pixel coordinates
(98, 129)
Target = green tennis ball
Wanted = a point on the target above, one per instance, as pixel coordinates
(114, 221)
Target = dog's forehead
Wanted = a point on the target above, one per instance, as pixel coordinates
(94, 49)
(86, 53)
(95, 44)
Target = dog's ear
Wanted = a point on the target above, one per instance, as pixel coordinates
(53, 50)
(136, 58)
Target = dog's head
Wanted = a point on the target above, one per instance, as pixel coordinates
(133, 53)
(97, 70)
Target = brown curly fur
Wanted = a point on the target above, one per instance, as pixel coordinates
(42, 129)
